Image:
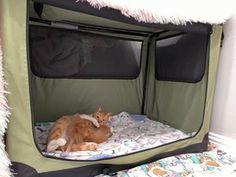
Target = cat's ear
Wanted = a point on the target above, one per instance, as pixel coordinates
(99, 109)
(109, 114)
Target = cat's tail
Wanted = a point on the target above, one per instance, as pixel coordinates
(54, 144)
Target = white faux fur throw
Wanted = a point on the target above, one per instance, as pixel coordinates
(171, 11)
(4, 113)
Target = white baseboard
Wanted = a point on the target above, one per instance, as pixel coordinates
(224, 143)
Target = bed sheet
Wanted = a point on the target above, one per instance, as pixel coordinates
(131, 133)
(207, 164)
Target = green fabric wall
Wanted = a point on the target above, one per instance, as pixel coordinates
(52, 98)
(20, 141)
(178, 104)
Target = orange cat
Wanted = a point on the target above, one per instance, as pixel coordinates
(82, 135)
(101, 116)
(79, 132)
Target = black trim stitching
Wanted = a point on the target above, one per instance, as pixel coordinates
(111, 169)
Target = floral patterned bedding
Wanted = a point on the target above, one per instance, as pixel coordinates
(131, 133)
(207, 164)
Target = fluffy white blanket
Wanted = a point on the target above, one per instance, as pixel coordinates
(171, 11)
(4, 113)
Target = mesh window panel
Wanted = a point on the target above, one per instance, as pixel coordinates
(181, 58)
(62, 53)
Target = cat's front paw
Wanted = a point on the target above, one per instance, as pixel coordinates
(92, 146)
(96, 124)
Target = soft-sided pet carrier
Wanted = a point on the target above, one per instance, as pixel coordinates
(65, 56)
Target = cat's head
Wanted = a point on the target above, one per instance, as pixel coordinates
(101, 116)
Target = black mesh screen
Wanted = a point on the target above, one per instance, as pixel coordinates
(181, 58)
(61, 53)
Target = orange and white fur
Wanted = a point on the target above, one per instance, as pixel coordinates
(97, 118)
(79, 132)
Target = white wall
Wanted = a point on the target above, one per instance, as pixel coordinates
(224, 107)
